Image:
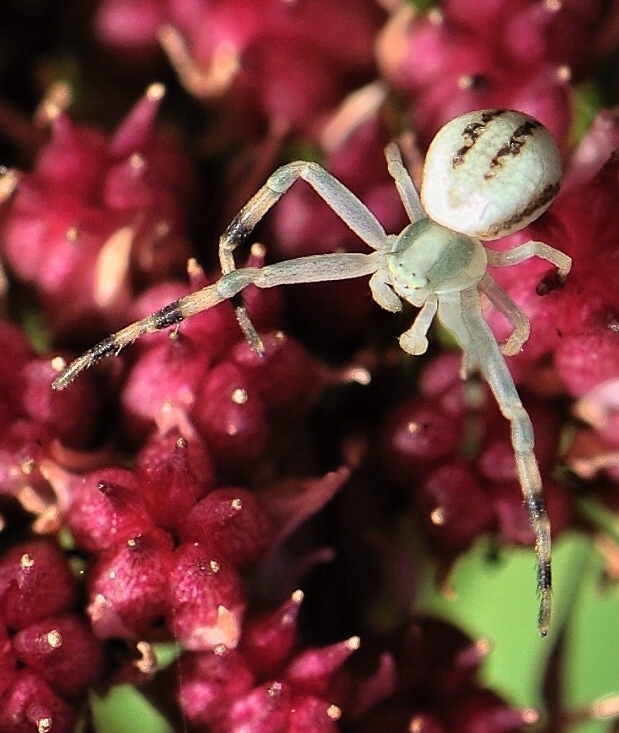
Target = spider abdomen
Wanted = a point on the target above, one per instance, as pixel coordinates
(490, 173)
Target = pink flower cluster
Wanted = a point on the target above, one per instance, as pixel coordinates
(269, 60)
(171, 483)
(49, 654)
(477, 55)
(95, 217)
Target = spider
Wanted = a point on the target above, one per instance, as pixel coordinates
(487, 173)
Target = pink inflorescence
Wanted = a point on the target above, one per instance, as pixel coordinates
(98, 217)
(256, 61)
(187, 490)
(50, 655)
(516, 54)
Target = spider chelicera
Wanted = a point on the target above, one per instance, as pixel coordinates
(487, 173)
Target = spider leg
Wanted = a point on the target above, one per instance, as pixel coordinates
(523, 252)
(514, 314)
(313, 269)
(404, 184)
(166, 317)
(468, 365)
(461, 313)
(170, 315)
(382, 292)
(316, 268)
(344, 203)
(414, 341)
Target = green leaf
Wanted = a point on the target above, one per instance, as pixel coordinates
(587, 101)
(125, 710)
(36, 330)
(590, 672)
(422, 4)
(495, 599)
(166, 652)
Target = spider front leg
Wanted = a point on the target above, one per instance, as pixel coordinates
(462, 314)
(316, 268)
(168, 316)
(343, 202)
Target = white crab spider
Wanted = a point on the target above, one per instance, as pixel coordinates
(486, 174)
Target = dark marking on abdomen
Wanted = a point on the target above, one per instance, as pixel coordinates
(472, 132)
(514, 145)
(544, 197)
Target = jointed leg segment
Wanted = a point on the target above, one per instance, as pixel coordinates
(353, 212)
(514, 256)
(486, 351)
(316, 268)
(168, 316)
(344, 203)
(404, 184)
(504, 304)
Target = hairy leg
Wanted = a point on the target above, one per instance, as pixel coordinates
(514, 314)
(316, 268)
(344, 203)
(461, 313)
(514, 256)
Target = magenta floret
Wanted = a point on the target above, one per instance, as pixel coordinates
(64, 652)
(232, 522)
(31, 705)
(128, 586)
(35, 582)
(206, 599)
(107, 507)
(95, 213)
